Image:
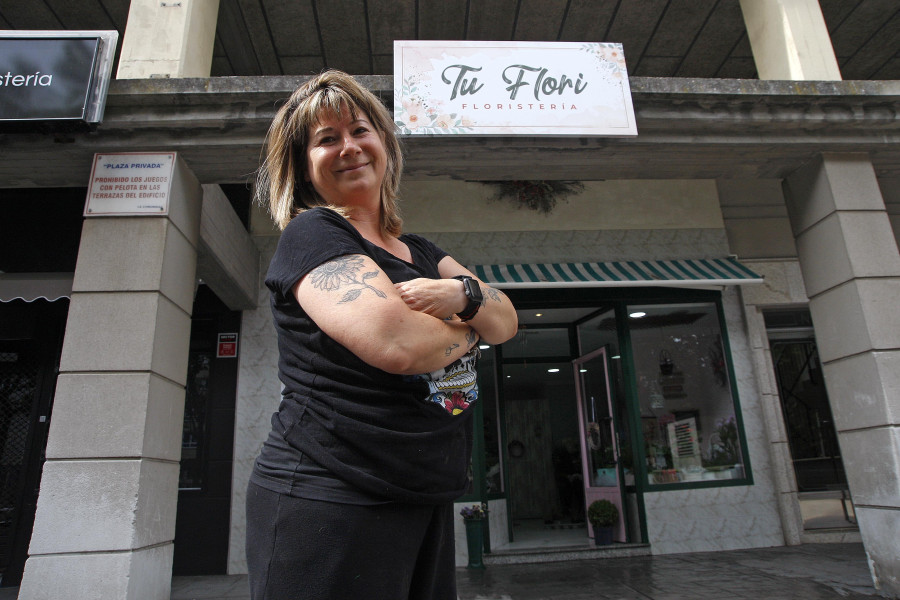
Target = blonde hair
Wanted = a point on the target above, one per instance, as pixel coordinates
(281, 182)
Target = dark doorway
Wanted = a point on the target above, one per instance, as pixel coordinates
(822, 488)
(204, 495)
(30, 343)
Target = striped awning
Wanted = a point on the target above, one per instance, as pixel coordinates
(634, 273)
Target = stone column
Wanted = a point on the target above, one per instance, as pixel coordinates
(106, 511)
(777, 290)
(851, 269)
(168, 38)
(789, 40)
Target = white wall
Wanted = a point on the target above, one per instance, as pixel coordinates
(461, 206)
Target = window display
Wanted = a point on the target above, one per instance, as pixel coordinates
(689, 420)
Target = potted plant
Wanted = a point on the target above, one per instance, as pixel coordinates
(604, 516)
(473, 517)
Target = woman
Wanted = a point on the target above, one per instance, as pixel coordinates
(352, 494)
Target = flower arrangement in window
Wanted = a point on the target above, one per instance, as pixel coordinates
(723, 445)
(474, 512)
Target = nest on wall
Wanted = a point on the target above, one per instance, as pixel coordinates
(537, 195)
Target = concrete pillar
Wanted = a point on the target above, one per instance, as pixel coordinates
(168, 38)
(106, 511)
(228, 260)
(851, 270)
(789, 40)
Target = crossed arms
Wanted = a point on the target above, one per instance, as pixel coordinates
(407, 328)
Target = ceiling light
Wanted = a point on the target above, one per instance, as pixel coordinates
(539, 314)
(637, 314)
(483, 347)
(553, 370)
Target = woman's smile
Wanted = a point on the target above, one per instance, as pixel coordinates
(352, 168)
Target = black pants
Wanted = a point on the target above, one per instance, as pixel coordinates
(299, 549)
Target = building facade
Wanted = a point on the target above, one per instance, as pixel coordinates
(708, 319)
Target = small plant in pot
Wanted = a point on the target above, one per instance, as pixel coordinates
(603, 516)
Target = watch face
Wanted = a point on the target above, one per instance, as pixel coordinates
(473, 290)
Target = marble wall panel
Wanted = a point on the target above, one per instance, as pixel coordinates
(258, 395)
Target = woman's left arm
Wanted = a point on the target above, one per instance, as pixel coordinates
(496, 321)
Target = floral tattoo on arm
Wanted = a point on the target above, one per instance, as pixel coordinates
(342, 272)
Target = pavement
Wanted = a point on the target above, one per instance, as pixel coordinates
(808, 572)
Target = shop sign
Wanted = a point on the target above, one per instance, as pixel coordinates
(55, 75)
(130, 183)
(512, 88)
(227, 346)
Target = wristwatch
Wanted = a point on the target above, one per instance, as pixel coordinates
(473, 293)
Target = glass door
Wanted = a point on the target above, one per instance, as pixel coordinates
(599, 444)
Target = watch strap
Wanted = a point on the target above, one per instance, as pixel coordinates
(473, 294)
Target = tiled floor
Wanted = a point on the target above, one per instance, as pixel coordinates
(535, 534)
(810, 572)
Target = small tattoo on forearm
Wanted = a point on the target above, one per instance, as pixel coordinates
(471, 337)
(342, 272)
(450, 349)
(493, 294)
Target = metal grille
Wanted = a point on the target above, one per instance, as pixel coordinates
(196, 405)
(18, 380)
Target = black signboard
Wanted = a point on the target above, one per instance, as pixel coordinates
(49, 78)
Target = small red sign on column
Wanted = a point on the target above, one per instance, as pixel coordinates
(227, 347)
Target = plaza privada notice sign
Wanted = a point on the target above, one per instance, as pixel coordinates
(512, 88)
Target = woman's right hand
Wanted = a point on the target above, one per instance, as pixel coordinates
(440, 298)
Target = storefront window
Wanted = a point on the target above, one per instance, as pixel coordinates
(487, 395)
(543, 341)
(691, 430)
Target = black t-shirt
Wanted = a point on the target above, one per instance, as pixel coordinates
(346, 431)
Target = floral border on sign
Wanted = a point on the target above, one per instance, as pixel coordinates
(611, 59)
(418, 116)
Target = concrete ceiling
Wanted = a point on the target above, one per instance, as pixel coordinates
(697, 113)
(687, 128)
(662, 38)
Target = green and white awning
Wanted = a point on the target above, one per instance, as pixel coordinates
(632, 273)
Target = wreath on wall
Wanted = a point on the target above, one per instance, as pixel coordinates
(537, 195)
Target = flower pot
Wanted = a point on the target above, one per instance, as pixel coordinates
(474, 542)
(603, 534)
